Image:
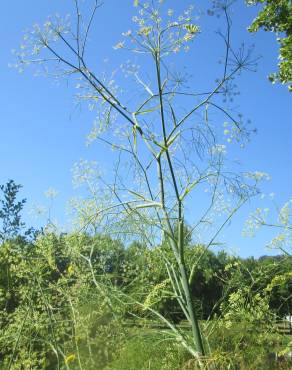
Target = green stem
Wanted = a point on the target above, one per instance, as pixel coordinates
(196, 332)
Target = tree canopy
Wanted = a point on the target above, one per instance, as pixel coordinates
(276, 16)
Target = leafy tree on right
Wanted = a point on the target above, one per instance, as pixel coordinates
(276, 16)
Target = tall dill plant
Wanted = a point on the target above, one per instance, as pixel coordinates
(165, 130)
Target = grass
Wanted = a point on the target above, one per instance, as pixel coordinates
(233, 349)
(147, 349)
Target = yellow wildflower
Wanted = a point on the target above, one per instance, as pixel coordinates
(192, 28)
(145, 31)
(70, 358)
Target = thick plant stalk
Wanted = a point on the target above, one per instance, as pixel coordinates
(180, 282)
(177, 246)
(196, 332)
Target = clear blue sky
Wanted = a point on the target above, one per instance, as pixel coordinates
(43, 132)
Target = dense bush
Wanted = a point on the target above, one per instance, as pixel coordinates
(73, 301)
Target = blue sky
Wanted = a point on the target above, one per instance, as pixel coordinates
(43, 131)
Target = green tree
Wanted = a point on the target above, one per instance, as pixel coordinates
(10, 211)
(276, 16)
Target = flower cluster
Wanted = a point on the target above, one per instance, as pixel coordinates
(231, 131)
(38, 39)
(159, 34)
(85, 172)
(255, 220)
(218, 149)
(156, 294)
(258, 176)
(281, 241)
(285, 214)
(279, 280)
(51, 193)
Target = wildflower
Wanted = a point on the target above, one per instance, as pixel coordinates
(70, 358)
(218, 149)
(36, 49)
(51, 193)
(145, 31)
(285, 214)
(258, 176)
(155, 294)
(119, 45)
(48, 24)
(128, 33)
(192, 28)
(188, 37)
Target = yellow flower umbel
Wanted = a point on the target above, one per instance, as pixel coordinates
(192, 29)
(145, 31)
(70, 358)
(155, 294)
